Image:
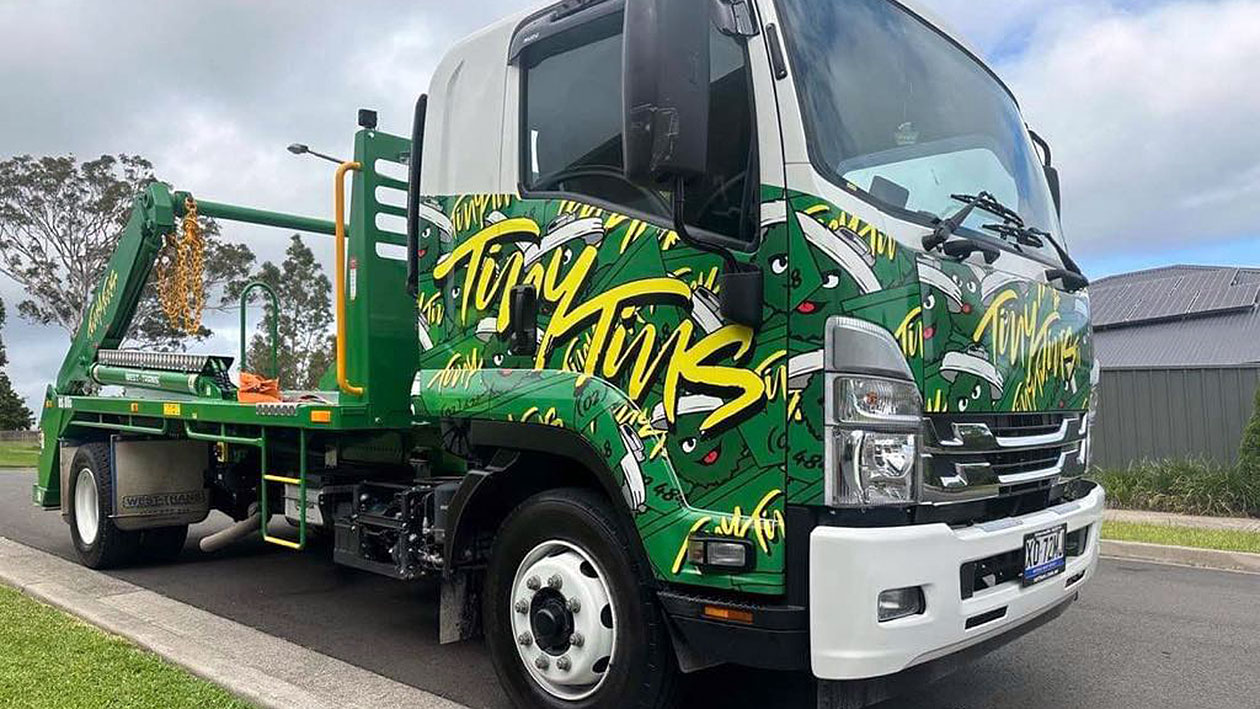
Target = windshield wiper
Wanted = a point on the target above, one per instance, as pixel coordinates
(946, 227)
(1022, 236)
(1071, 275)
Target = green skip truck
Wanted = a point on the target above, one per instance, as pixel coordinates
(676, 334)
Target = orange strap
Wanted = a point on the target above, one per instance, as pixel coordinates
(257, 390)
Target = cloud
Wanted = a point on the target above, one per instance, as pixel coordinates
(1153, 117)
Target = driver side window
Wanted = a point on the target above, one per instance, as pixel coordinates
(571, 134)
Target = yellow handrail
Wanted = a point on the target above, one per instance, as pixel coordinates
(339, 210)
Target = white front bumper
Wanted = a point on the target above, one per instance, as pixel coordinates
(849, 567)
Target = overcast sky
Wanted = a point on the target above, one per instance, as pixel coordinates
(1152, 107)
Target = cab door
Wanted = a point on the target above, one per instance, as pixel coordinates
(713, 396)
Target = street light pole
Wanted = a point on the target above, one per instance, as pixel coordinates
(300, 149)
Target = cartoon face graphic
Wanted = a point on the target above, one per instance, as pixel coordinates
(949, 301)
(843, 250)
(437, 234)
(700, 461)
(973, 380)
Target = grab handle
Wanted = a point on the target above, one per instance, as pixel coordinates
(339, 218)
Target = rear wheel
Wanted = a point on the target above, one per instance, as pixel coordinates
(570, 614)
(99, 544)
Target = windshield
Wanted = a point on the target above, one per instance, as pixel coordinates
(896, 109)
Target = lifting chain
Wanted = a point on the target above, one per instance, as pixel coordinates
(180, 273)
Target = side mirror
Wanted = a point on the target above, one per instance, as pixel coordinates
(665, 91)
(741, 296)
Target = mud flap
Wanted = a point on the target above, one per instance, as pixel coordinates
(852, 694)
(459, 615)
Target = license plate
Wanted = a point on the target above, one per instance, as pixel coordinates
(1043, 554)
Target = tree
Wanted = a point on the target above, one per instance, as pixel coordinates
(14, 416)
(306, 347)
(60, 220)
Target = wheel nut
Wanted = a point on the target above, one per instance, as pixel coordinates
(532, 583)
(576, 639)
(542, 662)
(555, 582)
(563, 664)
(574, 605)
(522, 606)
(525, 639)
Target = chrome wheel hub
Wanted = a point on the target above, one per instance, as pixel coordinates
(86, 507)
(563, 619)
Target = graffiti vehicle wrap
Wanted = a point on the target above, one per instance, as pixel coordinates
(708, 427)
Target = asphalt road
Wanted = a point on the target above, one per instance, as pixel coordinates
(1142, 635)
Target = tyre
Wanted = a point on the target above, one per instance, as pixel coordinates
(569, 609)
(99, 544)
(162, 544)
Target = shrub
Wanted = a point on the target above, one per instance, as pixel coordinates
(1194, 487)
(1249, 452)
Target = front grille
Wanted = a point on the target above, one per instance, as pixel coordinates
(1012, 425)
(974, 456)
(1017, 462)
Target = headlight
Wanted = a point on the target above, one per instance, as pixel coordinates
(874, 411)
(873, 468)
(866, 400)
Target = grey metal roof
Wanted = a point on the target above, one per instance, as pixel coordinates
(1172, 293)
(1178, 316)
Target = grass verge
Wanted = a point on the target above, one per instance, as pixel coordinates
(1171, 535)
(18, 455)
(1189, 487)
(52, 660)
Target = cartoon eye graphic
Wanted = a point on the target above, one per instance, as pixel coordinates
(971, 286)
(428, 231)
(498, 360)
(688, 445)
(455, 291)
(831, 281)
(929, 303)
(975, 393)
(779, 264)
(963, 403)
(566, 255)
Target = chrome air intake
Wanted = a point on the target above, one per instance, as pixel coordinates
(973, 456)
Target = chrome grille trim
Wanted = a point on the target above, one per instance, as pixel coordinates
(986, 456)
(978, 436)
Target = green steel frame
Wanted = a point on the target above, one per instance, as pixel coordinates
(381, 332)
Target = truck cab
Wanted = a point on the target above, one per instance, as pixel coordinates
(879, 468)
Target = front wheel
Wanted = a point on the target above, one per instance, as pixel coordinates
(570, 615)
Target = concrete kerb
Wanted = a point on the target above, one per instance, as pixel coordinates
(1183, 556)
(261, 669)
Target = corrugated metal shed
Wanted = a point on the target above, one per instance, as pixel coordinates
(1178, 316)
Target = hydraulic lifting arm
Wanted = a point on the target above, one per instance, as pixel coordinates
(114, 300)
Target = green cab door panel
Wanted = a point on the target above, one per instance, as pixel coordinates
(632, 355)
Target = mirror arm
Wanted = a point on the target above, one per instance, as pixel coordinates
(1045, 147)
(413, 194)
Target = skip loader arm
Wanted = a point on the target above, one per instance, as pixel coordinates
(108, 315)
